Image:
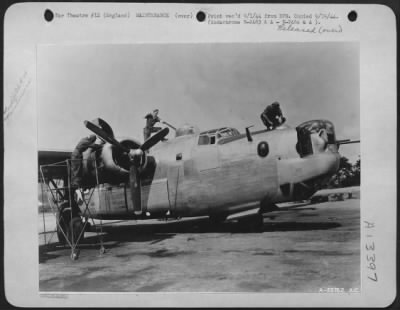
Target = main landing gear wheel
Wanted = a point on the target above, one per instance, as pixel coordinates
(70, 228)
(217, 218)
(75, 230)
(259, 222)
(60, 230)
(75, 254)
(253, 223)
(267, 206)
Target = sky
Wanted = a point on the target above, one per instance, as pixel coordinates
(207, 85)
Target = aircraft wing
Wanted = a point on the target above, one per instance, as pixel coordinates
(243, 214)
(254, 208)
(52, 163)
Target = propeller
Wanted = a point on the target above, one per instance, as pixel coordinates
(102, 134)
(137, 158)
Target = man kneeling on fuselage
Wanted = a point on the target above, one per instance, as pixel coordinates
(272, 116)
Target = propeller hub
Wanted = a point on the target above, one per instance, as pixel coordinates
(134, 153)
(136, 157)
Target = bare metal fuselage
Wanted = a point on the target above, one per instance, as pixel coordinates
(187, 179)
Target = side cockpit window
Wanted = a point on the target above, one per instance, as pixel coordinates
(204, 140)
(212, 140)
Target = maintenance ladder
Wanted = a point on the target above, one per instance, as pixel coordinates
(56, 186)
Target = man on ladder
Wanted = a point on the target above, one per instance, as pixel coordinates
(93, 142)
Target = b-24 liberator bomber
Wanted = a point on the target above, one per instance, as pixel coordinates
(216, 173)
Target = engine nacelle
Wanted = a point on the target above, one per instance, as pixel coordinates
(112, 164)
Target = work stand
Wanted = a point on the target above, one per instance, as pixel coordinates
(71, 219)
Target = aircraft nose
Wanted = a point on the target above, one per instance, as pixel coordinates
(294, 170)
(315, 137)
(301, 177)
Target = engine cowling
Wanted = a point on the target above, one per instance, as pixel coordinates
(112, 164)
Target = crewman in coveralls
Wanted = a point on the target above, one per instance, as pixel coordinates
(151, 120)
(272, 116)
(91, 141)
(94, 142)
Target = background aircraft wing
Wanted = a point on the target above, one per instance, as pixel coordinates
(47, 157)
(52, 163)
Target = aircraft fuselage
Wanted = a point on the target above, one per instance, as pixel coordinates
(186, 178)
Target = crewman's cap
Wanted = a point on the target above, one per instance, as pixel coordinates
(155, 110)
(275, 104)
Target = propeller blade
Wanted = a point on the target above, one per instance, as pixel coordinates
(153, 140)
(134, 180)
(134, 177)
(102, 134)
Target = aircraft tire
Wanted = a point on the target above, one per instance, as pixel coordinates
(259, 222)
(218, 218)
(60, 236)
(75, 228)
(267, 206)
(63, 220)
(69, 227)
(253, 223)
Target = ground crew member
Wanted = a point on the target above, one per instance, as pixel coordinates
(272, 116)
(151, 120)
(91, 141)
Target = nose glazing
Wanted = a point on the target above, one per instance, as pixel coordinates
(319, 141)
(314, 137)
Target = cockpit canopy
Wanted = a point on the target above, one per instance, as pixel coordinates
(214, 135)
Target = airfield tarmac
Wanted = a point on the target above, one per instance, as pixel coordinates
(298, 250)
